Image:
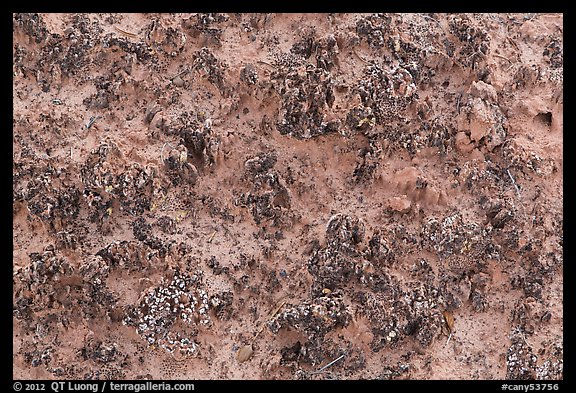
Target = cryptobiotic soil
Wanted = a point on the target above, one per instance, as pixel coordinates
(287, 196)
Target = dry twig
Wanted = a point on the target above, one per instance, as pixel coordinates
(132, 35)
(328, 365)
(360, 57)
(513, 182)
(502, 57)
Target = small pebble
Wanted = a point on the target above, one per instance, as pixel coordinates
(178, 82)
(244, 353)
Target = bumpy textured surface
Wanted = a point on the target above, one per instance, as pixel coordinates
(257, 195)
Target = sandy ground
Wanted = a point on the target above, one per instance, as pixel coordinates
(253, 196)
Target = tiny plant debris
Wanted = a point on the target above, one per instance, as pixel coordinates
(328, 365)
(126, 33)
(370, 121)
(92, 121)
(281, 304)
(274, 312)
(449, 318)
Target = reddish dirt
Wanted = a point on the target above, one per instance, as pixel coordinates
(252, 196)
